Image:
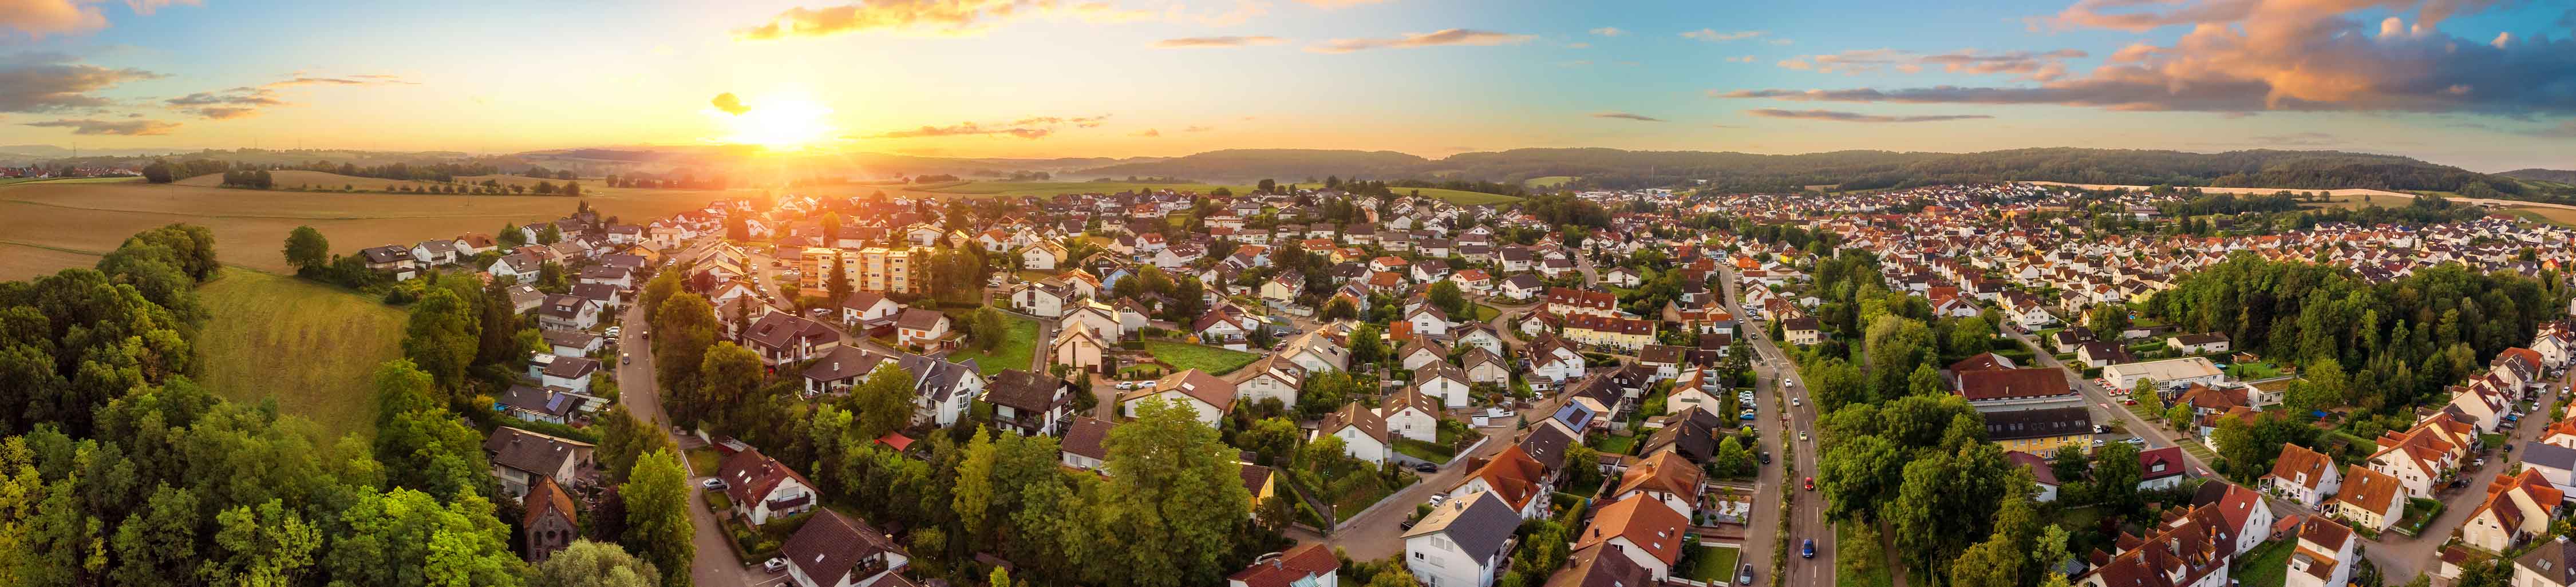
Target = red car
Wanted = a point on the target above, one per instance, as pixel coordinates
(1811, 484)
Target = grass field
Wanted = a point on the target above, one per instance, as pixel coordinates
(1873, 571)
(1459, 197)
(1550, 181)
(251, 225)
(2267, 566)
(312, 347)
(1014, 351)
(2558, 216)
(23, 261)
(1213, 360)
(1710, 564)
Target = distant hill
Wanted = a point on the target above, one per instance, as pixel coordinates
(1731, 171)
(2548, 175)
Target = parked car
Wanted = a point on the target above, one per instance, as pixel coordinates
(1802, 436)
(1765, 457)
(1436, 498)
(713, 484)
(1745, 576)
(775, 565)
(612, 332)
(1425, 468)
(625, 359)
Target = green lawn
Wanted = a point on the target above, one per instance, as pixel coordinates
(1459, 197)
(1485, 313)
(1013, 353)
(1424, 450)
(2267, 566)
(1873, 571)
(1615, 444)
(704, 460)
(312, 347)
(2257, 370)
(1550, 181)
(1181, 355)
(1710, 564)
(2419, 511)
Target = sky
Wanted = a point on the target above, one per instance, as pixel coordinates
(2488, 85)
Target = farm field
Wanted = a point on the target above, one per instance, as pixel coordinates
(2558, 216)
(23, 261)
(251, 225)
(1550, 181)
(312, 347)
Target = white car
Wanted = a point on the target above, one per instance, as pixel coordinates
(775, 565)
(713, 484)
(612, 331)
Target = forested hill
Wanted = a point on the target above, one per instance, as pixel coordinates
(2549, 175)
(1614, 168)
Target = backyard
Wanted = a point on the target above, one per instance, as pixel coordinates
(1710, 564)
(1012, 353)
(1182, 356)
(1436, 452)
(2267, 566)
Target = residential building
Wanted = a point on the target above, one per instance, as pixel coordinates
(1463, 542)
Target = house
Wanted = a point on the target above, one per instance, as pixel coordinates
(867, 309)
(2245, 513)
(1316, 352)
(2517, 509)
(2302, 476)
(832, 550)
(1483, 366)
(1554, 361)
(520, 457)
(920, 327)
(1039, 299)
(1666, 477)
(565, 312)
(1210, 396)
(2042, 475)
(1085, 443)
(1429, 320)
(840, 369)
(1412, 415)
(1043, 256)
(2551, 565)
(1642, 529)
(2160, 468)
(781, 338)
(1079, 347)
(1463, 542)
(763, 489)
(537, 405)
(1030, 403)
(2165, 373)
(2552, 462)
(549, 525)
(1271, 380)
(2041, 430)
(1225, 326)
(2370, 499)
(943, 390)
(1308, 565)
(1441, 380)
(1600, 566)
(391, 259)
(1801, 331)
(1517, 475)
(2198, 344)
(1995, 390)
(2323, 556)
(1363, 433)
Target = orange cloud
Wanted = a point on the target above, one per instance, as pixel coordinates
(1838, 116)
(106, 127)
(1210, 42)
(1431, 39)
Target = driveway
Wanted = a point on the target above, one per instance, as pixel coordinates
(1379, 533)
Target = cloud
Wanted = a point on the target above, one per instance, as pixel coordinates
(354, 80)
(89, 126)
(942, 16)
(2566, 129)
(2024, 65)
(1211, 42)
(1712, 35)
(1104, 13)
(1076, 121)
(1626, 116)
(228, 104)
(1197, 128)
(37, 18)
(1147, 133)
(965, 129)
(52, 82)
(1838, 116)
(2246, 56)
(1332, 4)
(1578, 45)
(730, 104)
(1744, 59)
(1410, 40)
(1609, 31)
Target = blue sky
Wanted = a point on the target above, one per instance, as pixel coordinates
(1030, 78)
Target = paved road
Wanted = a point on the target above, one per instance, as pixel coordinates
(716, 565)
(2400, 556)
(2104, 401)
(1379, 533)
(1807, 516)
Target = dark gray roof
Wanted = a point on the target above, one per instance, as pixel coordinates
(1025, 390)
(2549, 455)
(572, 367)
(2041, 423)
(2554, 561)
(1477, 523)
(530, 451)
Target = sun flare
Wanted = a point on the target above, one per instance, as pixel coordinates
(784, 123)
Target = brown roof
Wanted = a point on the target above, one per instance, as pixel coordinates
(1311, 559)
(1086, 436)
(2368, 489)
(1194, 383)
(530, 451)
(2296, 460)
(751, 476)
(1589, 568)
(1354, 415)
(545, 497)
(919, 319)
(1647, 522)
(1665, 471)
(1027, 391)
(2004, 384)
(832, 545)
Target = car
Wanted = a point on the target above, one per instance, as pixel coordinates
(1425, 468)
(612, 332)
(2097, 443)
(1436, 498)
(2135, 440)
(775, 565)
(713, 484)
(1795, 402)
(1807, 550)
(1745, 576)
(1765, 457)
(1802, 436)
(1811, 484)
(1126, 385)
(625, 359)
(2129, 402)
(2098, 429)
(1789, 382)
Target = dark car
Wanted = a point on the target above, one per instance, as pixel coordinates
(1744, 577)
(1766, 457)
(1425, 467)
(1808, 550)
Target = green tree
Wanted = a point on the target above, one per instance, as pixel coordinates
(2115, 476)
(883, 402)
(684, 328)
(657, 515)
(264, 545)
(1177, 496)
(1368, 345)
(1446, 296)
(549, 234)
(2108, 320)
(727, 378)
(593, 564)
(306, 249)
(442, 336)
(405, 537)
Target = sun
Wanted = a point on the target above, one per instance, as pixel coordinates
(783, 123)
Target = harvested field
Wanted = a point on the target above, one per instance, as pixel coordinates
(251, 225)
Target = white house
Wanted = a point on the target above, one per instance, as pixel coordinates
(1463, 542)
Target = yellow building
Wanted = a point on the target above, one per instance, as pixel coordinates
(815, 265)
(881, 269)
(2040, 431)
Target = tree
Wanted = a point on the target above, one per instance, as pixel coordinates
(1446, 296)
(2115, 476)
(1340, 308)
(157, 172)
(884, 402)
(1732, 459)
(511, 237)
(988, 328)
(442, 336)
(1368, 345)
(683, 331)
(306, 249)
(549, 234)
(1175, 493)
(657, 515)
(2144, 392)
(2108, 320)
(593, 564)
(727, 377)
(405, 537)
